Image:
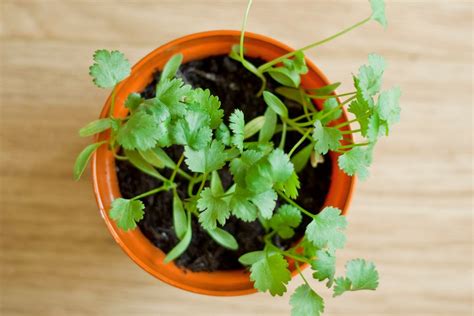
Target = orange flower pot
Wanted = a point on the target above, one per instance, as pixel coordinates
(106, 188)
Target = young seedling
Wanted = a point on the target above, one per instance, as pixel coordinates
(262, 172)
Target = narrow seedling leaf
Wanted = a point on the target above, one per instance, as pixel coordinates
(152, 158)
(294, 94)
(269, 126)
(325, 90)
(95, 127)
(109, 68)
(223, 238)
(254, 126)
(251, 257)
(171, 67)
(285, 77)
(83, 158)
(275, 104)
(179, 217)
(301, 158)
(182, 245)
(141, 164)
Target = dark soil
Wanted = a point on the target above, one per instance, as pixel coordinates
(236, 88)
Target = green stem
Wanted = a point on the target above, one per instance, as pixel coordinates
(295, 204)
(312, 96)
(301, 274)
(351, 131)
(154, 191)
(269, 64)
(354, 145)
(118, 157)
(283, 136)
(112, 101)
(351, 121)
(173, 175)
(244, 26)
(201, 186)
(299, 142)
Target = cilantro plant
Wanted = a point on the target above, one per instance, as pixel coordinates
(262, 171)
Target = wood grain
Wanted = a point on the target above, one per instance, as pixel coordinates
(413, 216)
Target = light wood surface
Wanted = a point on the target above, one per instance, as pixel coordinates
(413, 216)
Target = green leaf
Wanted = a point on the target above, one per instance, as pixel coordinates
(213, 209)
(259, 176)
(361, 110)
(223, 134)
(139, 132)
(223, 238)
(294, 94)
(193, 130)
(324, 266)
(325, 90)
(275, 104)
(95, 127)
(376, 128)
(163, 156)
(285, 77)
(291, 186)
(179, 217)
(281, 166)
(152, 158)
(216, 184)
(329, 113)
(265, 202)
(171, 66)
(287, 218)
(252, 257)
(109, 68)
(301, 158)
(241, 206)
(207, 159)
(207, 103)
(305, 302)
(239, 166)
(126, 213)
(181, 246)
(326, 138)
(360, 275)
(172, 94)
(133, 101)
(270, 273)
(237, 125)
(141, 164)
(370, 77)
(252, 127)
(83, 158)
(325, 230)
(269, 126)
(378, 12)
(353, 162)
(388, 105)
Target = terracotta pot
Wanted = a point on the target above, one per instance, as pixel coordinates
(134, 243)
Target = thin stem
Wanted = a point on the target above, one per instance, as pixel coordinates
(283, 136)
(351, 131)
(184, 174)
(173, 175)
(154, 191)
(299, 142)
(301, 274)
(351, 121)
(354, 145)
(295, 204)
(265, 66)
(112, 101)
(118, 157)
(201, 186)
(244, 26)
(329, 96)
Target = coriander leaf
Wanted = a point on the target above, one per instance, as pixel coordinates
(305, 302)
(95, 127)
(291, 186)
(109, 68)
(181, 246)
(324, 266)
(353, 162)
(378, 12)
(361, 111)
(329, 112)
(275, 104)
(207, 103)
(268, 128)
(193, 130)
(285, 76)
(133, 101)
(388, 106)
(223, 134)
(237, 125)
(240, 166)
(287, 218)
(326, 138)
(377, 63)
(223, 238)
(171, 66)
(370, 76)
(325, 230)
(179, 217)
(376, 128)
(172, 93)
(270, 273)
(360, 275)
(252, 257)
(259, 176)
(252, 127)
(139, 132)
(207, 159)
(213, 209)
(126, 213)
(301, 158)
(341, 285)
(83, 158)
(299, 63)
(265, 202)
(241, 206)
(281, 166)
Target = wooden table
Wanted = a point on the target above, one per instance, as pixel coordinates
(413, 216)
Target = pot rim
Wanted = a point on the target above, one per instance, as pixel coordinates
(103, 165)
